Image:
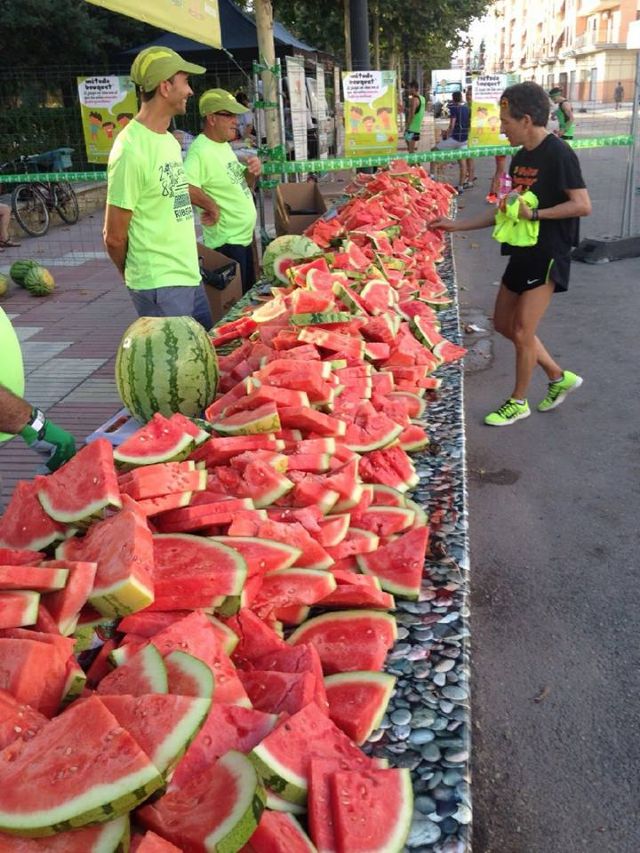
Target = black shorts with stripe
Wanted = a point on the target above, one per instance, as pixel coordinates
(526, 272)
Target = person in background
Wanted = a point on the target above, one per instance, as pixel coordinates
(563, 113)
(149, 228)
(501, 169)
(618, 94)
(470, 173)
(5, 218)
(246, 130)
(17, 416)
(456, 135)
(548, 170)
(415, 117)
(217, 178)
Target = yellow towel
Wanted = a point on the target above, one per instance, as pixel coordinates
(510, 229)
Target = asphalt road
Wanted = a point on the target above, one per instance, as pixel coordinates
(554, 506)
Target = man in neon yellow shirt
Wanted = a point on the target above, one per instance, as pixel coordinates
(17, 417)
(149, 229)
(215, 174)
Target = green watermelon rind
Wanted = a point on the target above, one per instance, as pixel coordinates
(19, 269)
(108, 600)
(74, 685)
(388, 682)
(248, 425)
(89, 510)
(382, 440)
(234, 832)
(422, 332)
(152, 668)
(178, 451)
(421, 515)
(277, 777)
(320, 318)
(278, 804)
(30, 606)
(343, 616)
(196, 669)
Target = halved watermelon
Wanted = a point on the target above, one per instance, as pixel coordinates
(349, 641)
(358, 701)
(399, 564)
(83, 486)
(217, 810)
(160, 440)
(144, 673)
(122, 777)
(104, 838)
(25, 524)
(279, 832)
(162, 725)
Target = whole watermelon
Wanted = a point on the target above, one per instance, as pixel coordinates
(19, 269)
(166, 365)
(4, 284)
(285, 251)
(39, 281)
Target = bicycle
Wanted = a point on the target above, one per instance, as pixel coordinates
(33, 201)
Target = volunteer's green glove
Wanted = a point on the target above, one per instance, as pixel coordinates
(50, 440)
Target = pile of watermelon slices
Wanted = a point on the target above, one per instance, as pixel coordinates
(228, 591)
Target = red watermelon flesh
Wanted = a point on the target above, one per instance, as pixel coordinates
(293, 587)
(112, 763)
(279, 832)
(165, 478)
(34, 673)
(312, 555)
(195, 635)
(278, 692)
(19, 557)
(147, 623)
(160, 440)
(399, 565)
(182, 560)
(45, 622)
(349, 640)
(32, 577)
(256, 638)
(122, 547)
(162, 724)
(100, 665)
(65, 605)
(83, 486)
(90, 839)
(319, 805)
(358, 700)
(152, 843)
(144, 673)
(17, 721)
(300, 659)
(227, 727)
(356, 594)
(25, 524)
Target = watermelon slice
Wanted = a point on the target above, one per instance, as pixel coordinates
(121, 778)
(279, 832)
(278, 692)
(185, 565)
(302, 658)
(122, 547)
(160, 440)
(372, 810)
(25, 524)
(284, 756)
(358, 701)
(64, 606)
(33, 672)
(391, 467)
(32, 577)
(264, 419)
(293, 587)
(18, 608)
(349, 641)
(19, 557)
(399, 565)
(144, 673)
(218, 809)
(256, 638)
(17, 721)
(153, 843)
(147, 623)
(166, 478)
(82, 487)
(162, 725)
(104, 838)
(188, 676)
(262, 555)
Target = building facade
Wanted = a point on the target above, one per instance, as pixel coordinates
(579, 45)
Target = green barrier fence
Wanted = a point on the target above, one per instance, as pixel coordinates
(293, 167)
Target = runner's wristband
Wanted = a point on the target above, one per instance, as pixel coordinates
(535, 216)
(34, 430)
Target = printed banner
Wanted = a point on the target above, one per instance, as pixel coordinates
(195, 19)
(107, 104)
(371, 125)
(321, 114)
(297, 106)
(485, 110)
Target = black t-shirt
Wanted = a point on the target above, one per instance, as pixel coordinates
(548, 171)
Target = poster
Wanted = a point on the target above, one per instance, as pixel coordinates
(485, 111)
(338, 112)
(321, 114)
(297, 106)
(371, 125)
(195, 19)
(107, 104)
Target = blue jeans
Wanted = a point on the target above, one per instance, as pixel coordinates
(186, 301)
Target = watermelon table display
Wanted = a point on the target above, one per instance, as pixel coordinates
(39, 281)
(166, 365)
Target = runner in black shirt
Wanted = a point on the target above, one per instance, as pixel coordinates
(550, 170)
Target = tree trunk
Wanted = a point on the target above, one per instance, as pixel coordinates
(266, 49)
(347, 35)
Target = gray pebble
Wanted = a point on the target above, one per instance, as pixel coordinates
(439, 679)
(456, 756)
(425, 804)
(401, 732)
(430, 752)
(424, 717)
(462, 814)
(423, 832)
(455, 692)
(401, 717)
(444, 665)
(418, 737)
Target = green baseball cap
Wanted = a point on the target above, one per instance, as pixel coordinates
(155, 64)
(219, 101)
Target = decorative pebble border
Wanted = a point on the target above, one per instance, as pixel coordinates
(427, 725)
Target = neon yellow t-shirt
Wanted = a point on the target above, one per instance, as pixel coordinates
(11, 367)
(146, 175)
(214, 168)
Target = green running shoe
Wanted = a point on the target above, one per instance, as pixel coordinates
(559, 390)
(508, 413)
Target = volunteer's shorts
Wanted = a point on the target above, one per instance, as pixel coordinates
(526, 272)
(450, 144)
(411, 136)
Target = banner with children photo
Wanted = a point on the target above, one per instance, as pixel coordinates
(485, 111)
(371, 125)
(107, 104)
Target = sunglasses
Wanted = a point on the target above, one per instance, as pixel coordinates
(226, 115)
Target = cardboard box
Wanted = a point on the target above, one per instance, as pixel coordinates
(297, 206)
(225, 288)
(332, 191)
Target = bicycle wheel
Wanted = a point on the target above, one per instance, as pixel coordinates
(67, 203)
(30, 210)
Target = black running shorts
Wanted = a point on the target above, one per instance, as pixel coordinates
(526, 272)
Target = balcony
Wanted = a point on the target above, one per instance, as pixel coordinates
(600, 40)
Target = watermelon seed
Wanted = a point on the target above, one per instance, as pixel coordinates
(17, 729)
